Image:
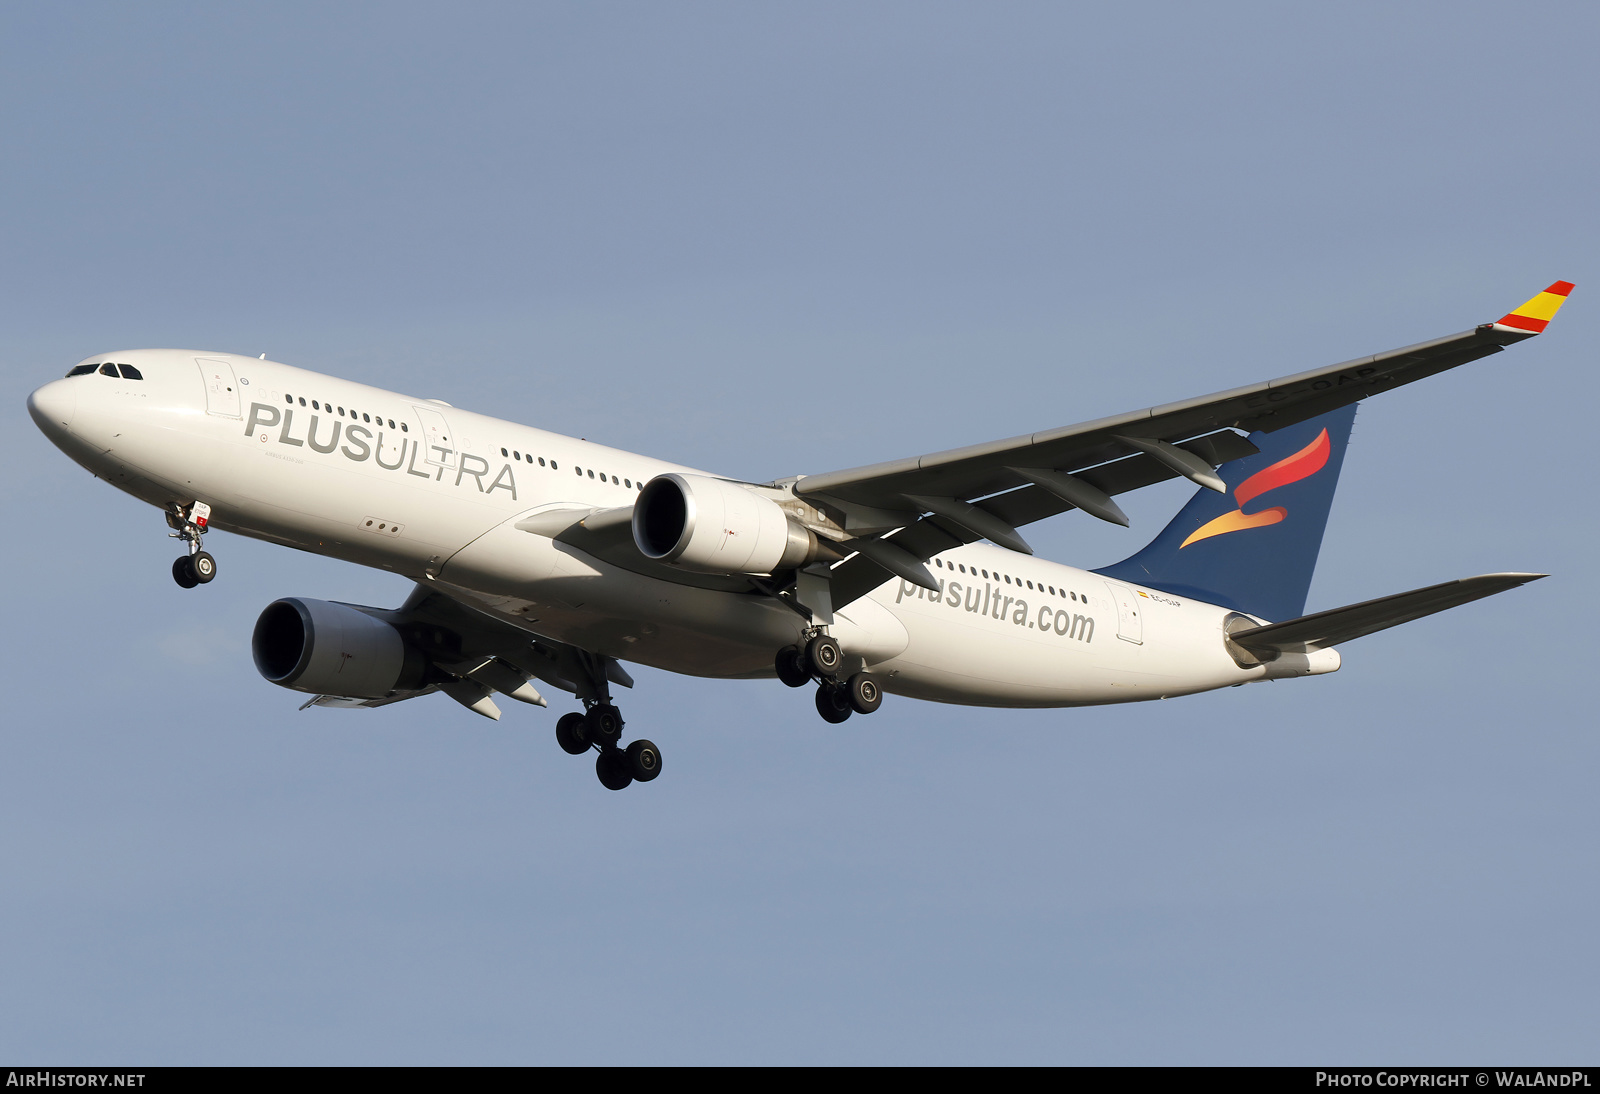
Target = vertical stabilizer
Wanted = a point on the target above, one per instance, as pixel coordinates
(1254, 548)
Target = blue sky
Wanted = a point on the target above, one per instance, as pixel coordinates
(778, 239)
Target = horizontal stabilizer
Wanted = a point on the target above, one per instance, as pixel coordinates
(1329, 628)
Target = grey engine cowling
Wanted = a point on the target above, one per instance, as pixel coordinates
(327, 648)
(719, 527)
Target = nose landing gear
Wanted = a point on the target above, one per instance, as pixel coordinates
(197, 567)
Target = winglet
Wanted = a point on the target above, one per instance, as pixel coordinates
(1534, 316)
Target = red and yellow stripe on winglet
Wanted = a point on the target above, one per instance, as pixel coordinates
(1534, 316)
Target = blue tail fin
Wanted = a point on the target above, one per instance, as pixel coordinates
(1254, 548)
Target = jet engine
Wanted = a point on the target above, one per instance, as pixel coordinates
(719, 527)
(325, 648)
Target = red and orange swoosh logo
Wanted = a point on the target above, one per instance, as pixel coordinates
(1302, 465)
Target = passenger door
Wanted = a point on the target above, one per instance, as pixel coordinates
(1130, 624)
(436, 436)
(222, 389)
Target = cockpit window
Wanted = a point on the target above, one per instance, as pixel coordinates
(108, 369)
(130, 373)
(83, 370)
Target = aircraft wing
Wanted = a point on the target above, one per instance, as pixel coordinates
(985, 491)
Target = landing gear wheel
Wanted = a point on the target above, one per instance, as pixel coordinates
(644, 760)
(204, 566)
(863, 692)
(605, 724)
(823, 656)
(183, 572)
(832, 703)
(572, 733)
(612, 770)
(791, 667)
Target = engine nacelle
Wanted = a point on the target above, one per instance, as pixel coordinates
(324, 648)
(718, 527)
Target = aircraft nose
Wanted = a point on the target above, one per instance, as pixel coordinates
(53, 406)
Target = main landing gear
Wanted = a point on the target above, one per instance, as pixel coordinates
(197, 567)
(821, 659)
(600, 728)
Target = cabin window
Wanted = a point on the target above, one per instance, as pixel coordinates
(289, 399)
(341, 412)
(541, 461)
(302, 400)
(404, 428)
(552, 465)
(503, 452)
(591, 473)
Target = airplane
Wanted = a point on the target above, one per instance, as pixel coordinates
(542, 557)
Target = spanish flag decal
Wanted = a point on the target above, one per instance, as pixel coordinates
(1534, 316)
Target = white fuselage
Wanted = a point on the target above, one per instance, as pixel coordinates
(434, 493)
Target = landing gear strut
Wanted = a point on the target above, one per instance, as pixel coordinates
(599, 728)
(197, 567)
(820, 658)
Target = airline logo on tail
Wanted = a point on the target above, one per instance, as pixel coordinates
(1302, 465)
